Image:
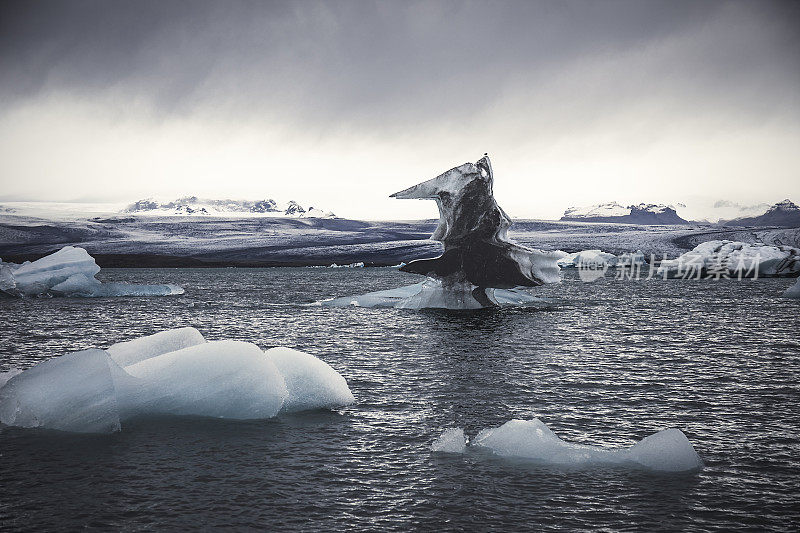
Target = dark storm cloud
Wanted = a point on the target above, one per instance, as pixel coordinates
(372, 63)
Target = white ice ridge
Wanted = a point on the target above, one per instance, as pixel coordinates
(666, 451)
(69, 272)
(732, 258)
(434, 294)
(175, 372)
(793, 291)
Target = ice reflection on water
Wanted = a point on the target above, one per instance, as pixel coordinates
(606, 364)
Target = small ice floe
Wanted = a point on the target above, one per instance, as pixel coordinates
(69, 272)
(732, 258)
(793, 291)
(351, 265)
(450, 441)
(586, 258)
(436, 294)
(599, 259)
(666, 451)
(175, 372)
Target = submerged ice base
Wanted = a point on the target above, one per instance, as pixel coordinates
(666, 451)
(434, 294)
(69, 272)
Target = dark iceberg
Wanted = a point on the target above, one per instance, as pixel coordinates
(479, 264)
(473, 229)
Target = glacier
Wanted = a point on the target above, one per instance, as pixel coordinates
(733, 258)
(69, 272)
(174, 372)
(666, 451)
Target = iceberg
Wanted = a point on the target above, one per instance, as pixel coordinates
(793, 291)
(174, 372)
(69, 272)
(588, 258)
(733, 259)
(666, 451)
(310, 382)
(480, 265)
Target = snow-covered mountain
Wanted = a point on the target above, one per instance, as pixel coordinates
(632, 214)
(192, 205)
(785, 214)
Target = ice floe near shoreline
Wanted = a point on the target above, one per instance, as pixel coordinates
(175, 372)
(666, 451)
(733, 258)
(69, 272)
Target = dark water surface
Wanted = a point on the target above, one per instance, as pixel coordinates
(607, 363)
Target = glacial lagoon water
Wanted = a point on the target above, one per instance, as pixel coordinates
(604, 363)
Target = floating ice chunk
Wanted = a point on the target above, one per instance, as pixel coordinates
(225, 379)
(793, 291)
(668, 450)
(174, 372)
(131, 352)
(732, 258)
(450, 441)
(311, 382)
(587, 258)
(69, 272)
(74, 392)
(434, 294)
(351, 265)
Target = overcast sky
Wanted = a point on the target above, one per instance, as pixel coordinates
(339, 104)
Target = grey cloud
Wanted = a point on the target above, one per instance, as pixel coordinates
(379, 64)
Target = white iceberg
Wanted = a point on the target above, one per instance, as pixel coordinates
(666, 451)
(733, 259)
(451, 440)
(170, 373)
(69, 272)
(310, 382)
(434, 294)
(793, 291)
